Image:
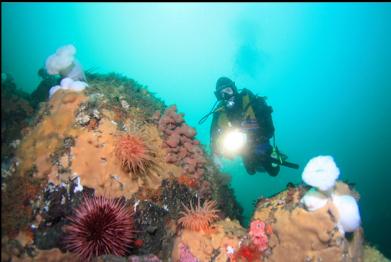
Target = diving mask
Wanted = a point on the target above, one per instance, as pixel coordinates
(225, 93)
(228, 96)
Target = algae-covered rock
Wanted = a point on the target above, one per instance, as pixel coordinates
(371, 254)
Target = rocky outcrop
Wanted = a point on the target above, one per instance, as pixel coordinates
(70, 151)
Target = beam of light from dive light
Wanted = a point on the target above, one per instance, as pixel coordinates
(234, 141)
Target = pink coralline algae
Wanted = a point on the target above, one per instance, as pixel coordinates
(144, 258)
(185, 255)
(258, 234)
(180, 143)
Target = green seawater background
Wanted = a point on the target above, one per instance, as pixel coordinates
(325, 68)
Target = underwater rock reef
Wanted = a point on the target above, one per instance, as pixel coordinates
(281, 229)
(111, 173)
(16, 109)
(303, 235)
(102, 172)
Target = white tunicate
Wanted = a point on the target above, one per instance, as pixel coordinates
(230, 250)
(136, 204)
(124, 104)
(63, 200)
(321, 172)
(15, 143)
(79, 186)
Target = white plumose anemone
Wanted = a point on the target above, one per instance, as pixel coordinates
(314, 200)
(63, 62)
(63, 58)
(68, 84)
(348, 212)
(321, 172)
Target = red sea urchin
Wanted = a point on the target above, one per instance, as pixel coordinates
(134, 154)
(100, 226)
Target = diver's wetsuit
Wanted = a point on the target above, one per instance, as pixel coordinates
(253, 116)
(259, 160)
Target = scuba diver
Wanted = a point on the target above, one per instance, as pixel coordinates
(242, 125)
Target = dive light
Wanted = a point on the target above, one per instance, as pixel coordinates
(233, 141)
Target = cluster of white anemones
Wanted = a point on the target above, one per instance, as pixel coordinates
(321, 173)
(64, 63)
